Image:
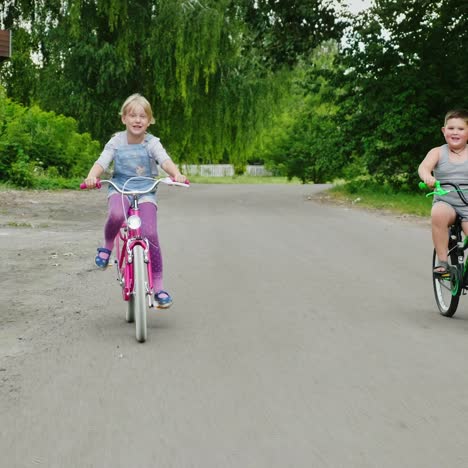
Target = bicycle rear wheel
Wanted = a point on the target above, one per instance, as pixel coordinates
(140, 287)
(447, 290)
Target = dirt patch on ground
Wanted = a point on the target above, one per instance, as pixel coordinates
(47, 240)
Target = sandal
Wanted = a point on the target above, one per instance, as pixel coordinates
(442, 269)
(163, 299)
(100, 261)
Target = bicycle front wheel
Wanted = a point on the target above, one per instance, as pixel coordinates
(447, 290)
(140, 283)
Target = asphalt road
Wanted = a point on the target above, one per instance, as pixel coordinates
(303, 334)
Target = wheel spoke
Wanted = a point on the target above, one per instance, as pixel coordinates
(447, 291)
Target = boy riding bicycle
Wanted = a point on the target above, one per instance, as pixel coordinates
(449, 163)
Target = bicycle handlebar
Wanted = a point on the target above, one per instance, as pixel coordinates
(164, 180)
(439, 191)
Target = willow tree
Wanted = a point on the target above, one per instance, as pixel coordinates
(200, 62)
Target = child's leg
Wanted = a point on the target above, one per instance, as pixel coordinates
(443, 215)
(115, 218)
(465, 226)
(149, 229)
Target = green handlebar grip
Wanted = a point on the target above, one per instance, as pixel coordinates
(422, 185)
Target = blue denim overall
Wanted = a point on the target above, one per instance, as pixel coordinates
(131, 161)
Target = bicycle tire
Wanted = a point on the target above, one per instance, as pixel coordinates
(130, 313)
(447, 291)
(140, 282)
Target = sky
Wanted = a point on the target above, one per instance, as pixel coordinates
(355, 6)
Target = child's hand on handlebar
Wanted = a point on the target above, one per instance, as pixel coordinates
(90, 182)
(430, 181)
(180, 178)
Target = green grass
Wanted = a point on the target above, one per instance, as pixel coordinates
(14, 224)
(383, 199)
(46, 183)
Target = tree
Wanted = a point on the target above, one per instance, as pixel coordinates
(206, 65)
(309, 147)
(287, 30)
(404, 66)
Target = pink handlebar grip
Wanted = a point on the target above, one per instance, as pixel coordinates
(187, 182)
(98, 185)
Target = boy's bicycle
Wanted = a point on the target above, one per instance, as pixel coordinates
(132, 260)
(449, 287)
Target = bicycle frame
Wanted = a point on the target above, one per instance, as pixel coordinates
(459, 245)
(456, 234)
(130, 236)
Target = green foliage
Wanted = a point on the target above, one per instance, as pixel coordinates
(211, 68)
(405, 68)
(309, 146)
(238, 80)
(21, 172)
(35, 144)
(376, 108)
(20, 74)
(287, 30)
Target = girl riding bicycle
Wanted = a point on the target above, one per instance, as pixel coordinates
(134, 153)
(449, 163)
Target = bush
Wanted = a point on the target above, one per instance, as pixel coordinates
(34, 144)
(21, 172)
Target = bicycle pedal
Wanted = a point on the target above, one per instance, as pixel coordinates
(444, 276)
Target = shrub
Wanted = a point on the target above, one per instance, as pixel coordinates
(36, 143)
(21, 172)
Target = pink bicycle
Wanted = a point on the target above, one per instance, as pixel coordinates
(132, 260)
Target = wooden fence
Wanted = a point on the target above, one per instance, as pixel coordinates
(221, 170)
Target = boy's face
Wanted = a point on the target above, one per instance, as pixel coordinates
(456, 133)
(137, 121)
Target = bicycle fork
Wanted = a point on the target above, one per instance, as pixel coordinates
(125, 270)
(147, 260)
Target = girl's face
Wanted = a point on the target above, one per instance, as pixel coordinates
(136, 121)
(456, 133)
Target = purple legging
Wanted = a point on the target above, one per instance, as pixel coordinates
(149, 229)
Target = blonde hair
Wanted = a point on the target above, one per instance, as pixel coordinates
(137, 99)
(456, 114)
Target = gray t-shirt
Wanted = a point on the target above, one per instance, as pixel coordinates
(447, 170)
(155, 149)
